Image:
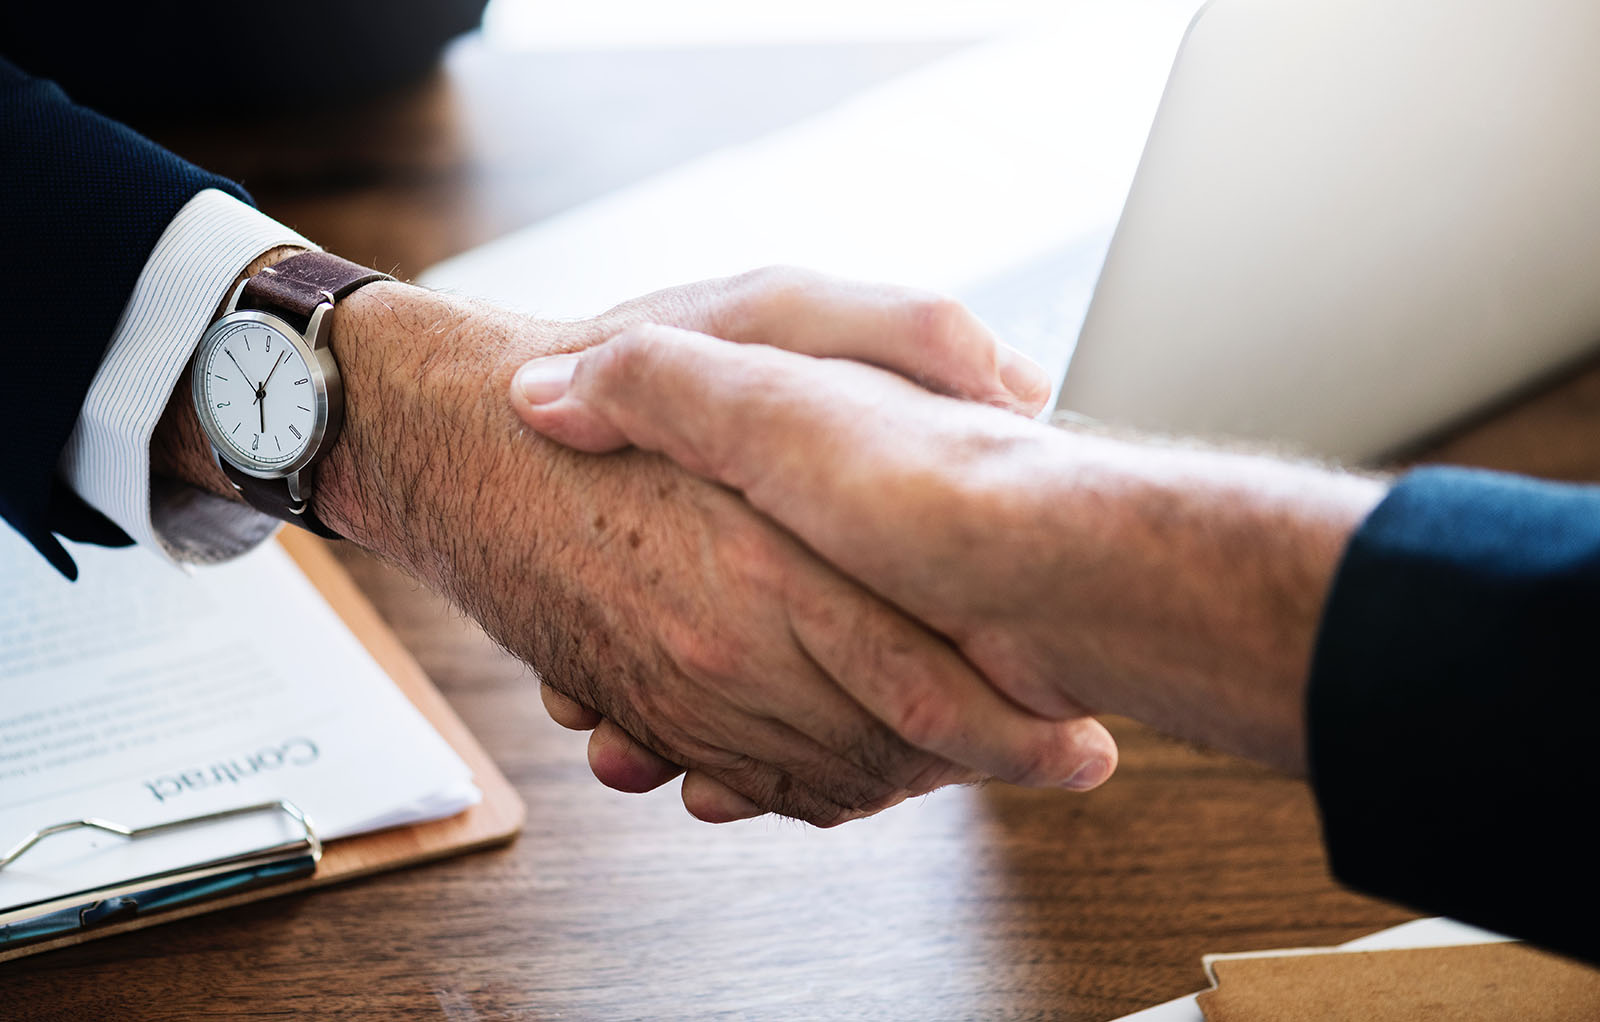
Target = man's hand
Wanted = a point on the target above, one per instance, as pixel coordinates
(658, 599)
(1175, 585)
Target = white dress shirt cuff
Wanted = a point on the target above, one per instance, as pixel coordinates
(200, 255)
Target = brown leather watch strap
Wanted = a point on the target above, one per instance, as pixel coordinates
(271, 496)
(295, 287)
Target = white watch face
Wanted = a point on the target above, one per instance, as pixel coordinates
(253, 384)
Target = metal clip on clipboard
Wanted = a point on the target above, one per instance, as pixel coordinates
(161, 891)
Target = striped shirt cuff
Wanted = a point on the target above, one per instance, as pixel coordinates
(107, 459)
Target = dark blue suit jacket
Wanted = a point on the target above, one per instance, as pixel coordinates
(82, 201)
(1455, 702)
(1453, 696)
(84, 198)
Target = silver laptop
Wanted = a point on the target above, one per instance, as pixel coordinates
(1355, 222)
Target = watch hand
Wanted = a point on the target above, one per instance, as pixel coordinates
(261, 391)
(236, 364)
(275, 366)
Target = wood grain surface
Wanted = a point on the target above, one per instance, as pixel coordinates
(972, 903)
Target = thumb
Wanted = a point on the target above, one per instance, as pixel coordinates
(721, 410)
(541, 395)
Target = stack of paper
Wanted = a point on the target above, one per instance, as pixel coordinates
(142, 694)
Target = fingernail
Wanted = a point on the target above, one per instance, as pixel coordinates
(546, 379)
(1025, 378)
(1091, 775)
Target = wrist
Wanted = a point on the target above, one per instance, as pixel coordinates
(425, 421)
(425, 377)
(1202, 588)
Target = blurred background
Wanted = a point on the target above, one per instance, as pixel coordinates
(982, 150)
(607, 24)
(607, 147)
(553, 105)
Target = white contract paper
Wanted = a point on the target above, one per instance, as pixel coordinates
(141, 694)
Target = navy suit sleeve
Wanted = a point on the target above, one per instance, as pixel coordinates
(1453, 704)
(82, 202)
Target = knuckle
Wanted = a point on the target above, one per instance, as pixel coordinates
(940, 321)
(764, 298)
(922, 719)
(753, 552)
(764, 565)
(828, 817)
(706, 655)
(946, 330)
(629, 358)
(775, 277)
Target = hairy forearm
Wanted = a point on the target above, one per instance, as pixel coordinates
(425, 377)
(1192, 587)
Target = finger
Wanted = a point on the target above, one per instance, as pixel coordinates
(837, 794)
(770, 757)
(619, 762)
(851, 761)
(569, 713)
(919, 334)
(720, 409)
(541, 396)
(919, 686)
(711, 801)
(781, 768)
(776, 791)
(748, 780)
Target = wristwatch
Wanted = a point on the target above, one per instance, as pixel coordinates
(266, 385)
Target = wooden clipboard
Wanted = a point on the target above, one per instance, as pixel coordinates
(494, 820)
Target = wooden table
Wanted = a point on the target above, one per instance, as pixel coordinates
(983, 903)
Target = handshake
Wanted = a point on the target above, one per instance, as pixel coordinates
(802, 541)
